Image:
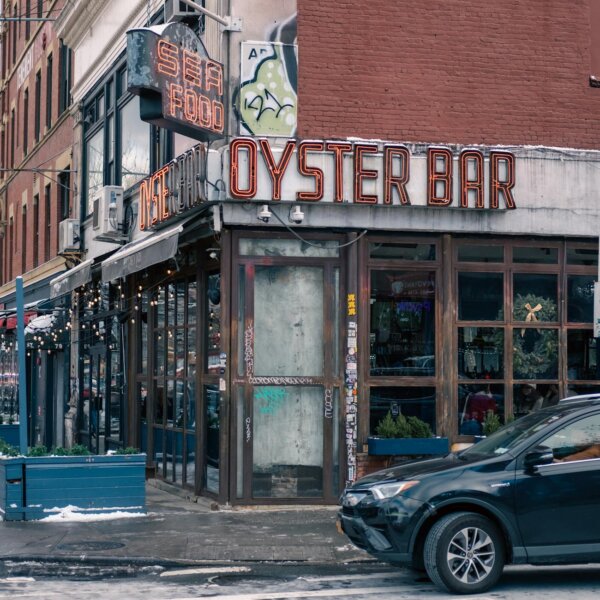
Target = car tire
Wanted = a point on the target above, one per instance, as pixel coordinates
(464, 553)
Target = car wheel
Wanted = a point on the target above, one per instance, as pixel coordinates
(464, 553)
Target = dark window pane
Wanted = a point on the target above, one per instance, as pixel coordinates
(475, 403)
(477, 253)
(480, 296)
(410, 401)
(481, 352)
(582, 256)
(538, 256)
(534, 297)
(535, 353)
(580, 298)
(403, 251)
(529, 397)
(582, 353)
(402, 331)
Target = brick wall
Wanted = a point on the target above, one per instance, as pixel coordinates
(448, 71)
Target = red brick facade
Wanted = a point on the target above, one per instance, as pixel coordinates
(449, 71)
(42, 140)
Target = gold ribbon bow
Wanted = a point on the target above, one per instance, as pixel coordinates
(531, 316)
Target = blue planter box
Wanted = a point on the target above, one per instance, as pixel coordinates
(10, 434)
(408, 446)
(36, 487)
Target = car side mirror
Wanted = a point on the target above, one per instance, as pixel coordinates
(541, 455)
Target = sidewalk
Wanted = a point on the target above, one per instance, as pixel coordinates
(177, 531)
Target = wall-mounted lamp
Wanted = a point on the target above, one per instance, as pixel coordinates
(296, 214)
(263, 213)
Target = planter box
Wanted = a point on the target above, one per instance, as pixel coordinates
(10, 434)
(36, 487)
(408, 446)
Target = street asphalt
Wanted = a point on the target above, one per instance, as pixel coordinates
(182, 531)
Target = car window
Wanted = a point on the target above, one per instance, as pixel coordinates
(577, 441)
(511, 435)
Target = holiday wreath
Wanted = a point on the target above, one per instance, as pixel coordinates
(534, 350)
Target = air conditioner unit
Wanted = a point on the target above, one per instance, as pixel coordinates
(107, 221)
(68, 236)
(175, 10)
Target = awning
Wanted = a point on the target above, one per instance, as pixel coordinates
(11, 320)
(140, 254)
(41, 324)
(72, 279)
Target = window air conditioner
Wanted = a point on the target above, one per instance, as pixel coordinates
(175, 10)
(107, 221)
(68, 236)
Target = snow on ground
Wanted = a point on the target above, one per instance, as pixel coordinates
(75, 514)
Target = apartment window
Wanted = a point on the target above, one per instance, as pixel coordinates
(10, 250)
(14, 35)
(38, 104)
(24, 239)
(117, 142)
(64, 194)
(12, 138)
(65, 77)
(36, 229)
(27, 17)
(25, 120)
(49, 92)
(48, 213)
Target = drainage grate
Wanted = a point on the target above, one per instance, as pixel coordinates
(90, 546)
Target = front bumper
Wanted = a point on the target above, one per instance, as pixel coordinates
(384, 528)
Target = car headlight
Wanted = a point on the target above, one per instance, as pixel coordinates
(388, 490)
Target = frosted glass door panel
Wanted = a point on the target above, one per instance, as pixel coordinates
(288, 321)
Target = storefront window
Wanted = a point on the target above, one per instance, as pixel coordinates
(478, 404)
(410, 401)
(212, 432)
(582, 355)
(481, 352)
(580, 298)
(535, 353)
(529, 397)
(582, 256)
(480, 296)
(535, 256)
(402, 329)
(481, 253)
(408, 251)
(535, 297)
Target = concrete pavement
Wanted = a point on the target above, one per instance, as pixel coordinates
(178, 531)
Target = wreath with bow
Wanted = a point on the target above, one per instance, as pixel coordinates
(533, 357)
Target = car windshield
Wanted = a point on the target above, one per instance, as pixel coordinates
(511, 435)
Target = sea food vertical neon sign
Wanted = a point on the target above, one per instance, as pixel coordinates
(180, 86)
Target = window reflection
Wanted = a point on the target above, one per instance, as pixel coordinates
(135, 144)
(410, 401)
(476, 403)
(94, 168)
(481, 296)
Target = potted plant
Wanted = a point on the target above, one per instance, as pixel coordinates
(45, 482)
(405, 436)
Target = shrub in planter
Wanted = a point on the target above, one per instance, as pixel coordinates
(405, 436)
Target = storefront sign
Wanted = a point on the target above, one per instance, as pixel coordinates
(180, 86)
(174, 189)
(368, 173)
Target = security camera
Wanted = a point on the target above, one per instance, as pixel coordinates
(296, 215)
(264, 214)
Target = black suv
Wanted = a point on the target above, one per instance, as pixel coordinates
(527, 494)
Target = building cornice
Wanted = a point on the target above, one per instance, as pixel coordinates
(75, 19)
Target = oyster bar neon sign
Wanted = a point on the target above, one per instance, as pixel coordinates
(379, 175)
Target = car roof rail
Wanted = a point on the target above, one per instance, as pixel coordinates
(581, 397)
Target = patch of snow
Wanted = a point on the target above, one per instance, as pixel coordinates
(74, 514)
